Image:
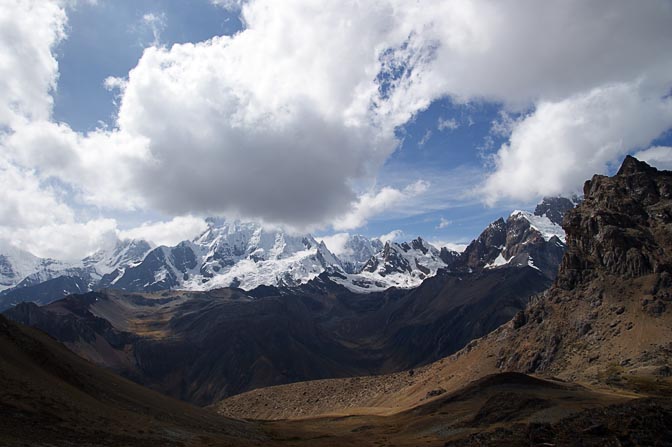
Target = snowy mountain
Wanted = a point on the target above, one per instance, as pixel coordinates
(554, 208)
(524, 239)
(125, 253)
(24, 276)
(229, 254)
(357, 251)
(247, 255)
(18, 266)
(403, 265)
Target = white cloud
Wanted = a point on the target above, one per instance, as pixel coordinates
(658, 156)
(336, 243)
(24, 202)
(503, 125)
(167, 233)
(34, 218)
(276, 121)
(29, 30)
(280, 120)
(392, 236)
(156, 23)
(66, 241)
(231, 5)
(372, 204)
(447, 124)
(102, 165)
(561, 144)
(443, 223)
(455, 246)
(425, 138)
(112, 83)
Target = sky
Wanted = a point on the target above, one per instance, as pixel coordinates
(388, 118)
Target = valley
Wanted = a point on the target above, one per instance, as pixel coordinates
(466, 358)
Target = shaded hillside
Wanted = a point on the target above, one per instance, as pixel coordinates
(205, 346)
(49, 396)
(43, 292)
(605, 322)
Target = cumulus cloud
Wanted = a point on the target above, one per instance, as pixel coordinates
(336, 243)
(392, 236)
(372, 204)
(66, 241)
(563, 143)
(103, 166)
(168, 233)
(34, 218)
(658, 156)
(25, 202)
(276, 121)
(29, 30)
(279, 121)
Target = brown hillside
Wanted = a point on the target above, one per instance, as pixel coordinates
(605, 323)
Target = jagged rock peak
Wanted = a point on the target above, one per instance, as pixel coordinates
(632, 166)
(554, 208)
(623, 227)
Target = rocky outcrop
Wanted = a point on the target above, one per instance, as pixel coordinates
(597, 325)
(614, 282)
(623, 228)
(484, 249)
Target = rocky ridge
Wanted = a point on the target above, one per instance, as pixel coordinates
(605, 322)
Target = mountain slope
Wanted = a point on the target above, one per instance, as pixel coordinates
(172, 341)
(49, 396)
(605, 321)
(247, 255)
(357, 251)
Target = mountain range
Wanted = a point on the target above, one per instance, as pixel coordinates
(604, 323)
(580, 357)
(346, 323)
(247, 255)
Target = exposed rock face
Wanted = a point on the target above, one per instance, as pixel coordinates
(449, 256)
(523, 240)
(602, 322)
(485, 248)
(623, 228)
(555, 208)
(614, 282)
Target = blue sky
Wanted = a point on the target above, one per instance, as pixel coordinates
(107, 39)
(433, 119)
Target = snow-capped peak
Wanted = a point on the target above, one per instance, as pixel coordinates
(404, 265)
(353, 251)
(542, 224)
(125, 253)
